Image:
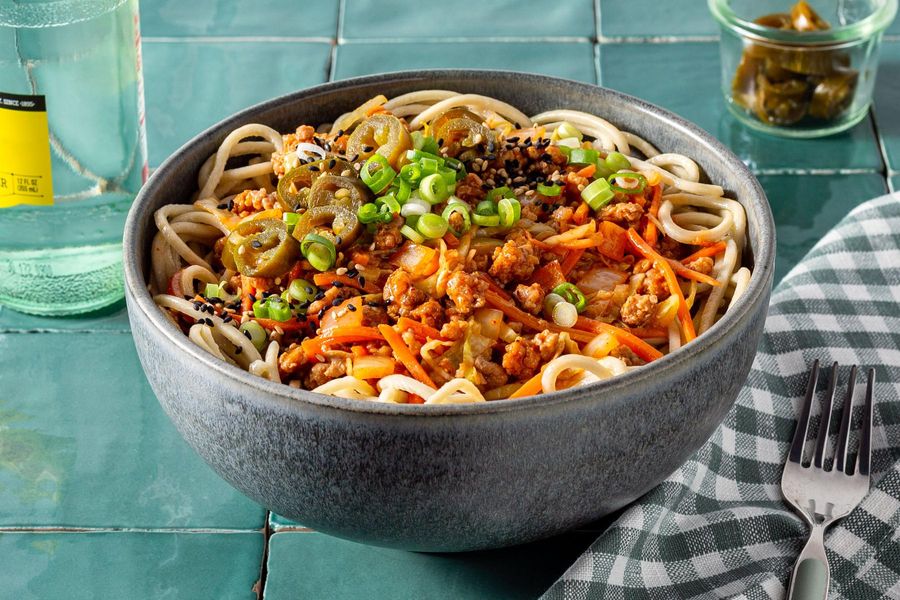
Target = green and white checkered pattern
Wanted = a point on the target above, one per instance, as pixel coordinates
(717, 527)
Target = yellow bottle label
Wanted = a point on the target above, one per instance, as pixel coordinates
(25, 176)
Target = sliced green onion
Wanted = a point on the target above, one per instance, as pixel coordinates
(616, 161)
(411, 234)
(423, 142)
(448, 175)
(279, 310)
(388, 204)
(486, 207)
(429, 166)
(602, 171)
(302, 290)
(319, 251)
(411, 220)
(583, 156)
(401, 189)
(597, 194)
(509, 210)
(367, 213)
(415, 207)
(290, 219)
(549, 190)
(571, 293)
(486, 220)
(637, 189)
(432, 226)
(377, 173)
(567, 130)
(433, 189)
(569, 142)
(456, 206)
(213, 290)
(411, 173)
(418, 155)
(256, 333)
(501, 192)
(260, 309)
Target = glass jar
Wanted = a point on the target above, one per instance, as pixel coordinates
(800, 70)
(72, 150)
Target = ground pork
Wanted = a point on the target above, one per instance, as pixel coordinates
(638, 309)
(530, 297)
(466, 291)
(494, 375)
(388, 236)
(702, 264)
(454, 329)
(626, 214)
(323, 372)
(514, 261)
(400, 294)
(469, 189)
(251, 201)
(430, 313)
(654, 283)
(524, 356)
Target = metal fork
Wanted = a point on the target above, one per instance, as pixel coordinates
(823, 497)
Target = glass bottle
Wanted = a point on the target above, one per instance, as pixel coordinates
(72, 150)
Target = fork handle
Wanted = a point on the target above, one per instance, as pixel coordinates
(810, 578)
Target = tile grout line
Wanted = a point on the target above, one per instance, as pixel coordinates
(596, 48)
(37, 529)
(264, 566)
(882, 149)
(451, 40)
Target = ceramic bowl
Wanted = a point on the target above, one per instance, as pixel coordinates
(451, 477)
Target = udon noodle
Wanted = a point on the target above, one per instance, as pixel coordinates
(442, 248)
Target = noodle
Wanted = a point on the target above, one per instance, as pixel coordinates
(461, 312)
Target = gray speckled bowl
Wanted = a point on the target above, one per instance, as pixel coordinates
(451, 478)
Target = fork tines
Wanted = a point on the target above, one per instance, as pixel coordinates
(863, 458)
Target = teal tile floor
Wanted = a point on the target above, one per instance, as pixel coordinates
(100, 497)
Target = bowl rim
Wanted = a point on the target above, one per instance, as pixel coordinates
(283, 397)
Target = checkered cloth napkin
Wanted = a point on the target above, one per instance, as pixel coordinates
(717, 527)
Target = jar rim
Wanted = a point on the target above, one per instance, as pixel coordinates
(871, 25)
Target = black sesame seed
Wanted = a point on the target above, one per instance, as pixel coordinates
(440, 142)
(230, 204)
(339, 133)
(490, 157)
(313, 168)
(355, 158)
(238, 350)
(320, 295)
(331, 163)
(367, 148)
(352, 273)
(351, 307)
(321, 314)
(308, 289)
(362, 280)
(337, 284)
(337, 301)
(222, 206)
(338, 241)
(227, 319)
(247, 335)
(513, 139)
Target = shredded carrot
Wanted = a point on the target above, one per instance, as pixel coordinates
(682, 270)
(641, 348)
(405, 355)
(420, 330)
(329, 278)
(651, 233)
(359, 351)
(649, 332)
(451, 240)
(246, 291)
(545, 246)
(339, 335)
(571, 259)
(529, 388)
(713, 250)
(292, 325)
(587, 171)
(413, 399)
(581, 213)
(508, 308)
(684, 312)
